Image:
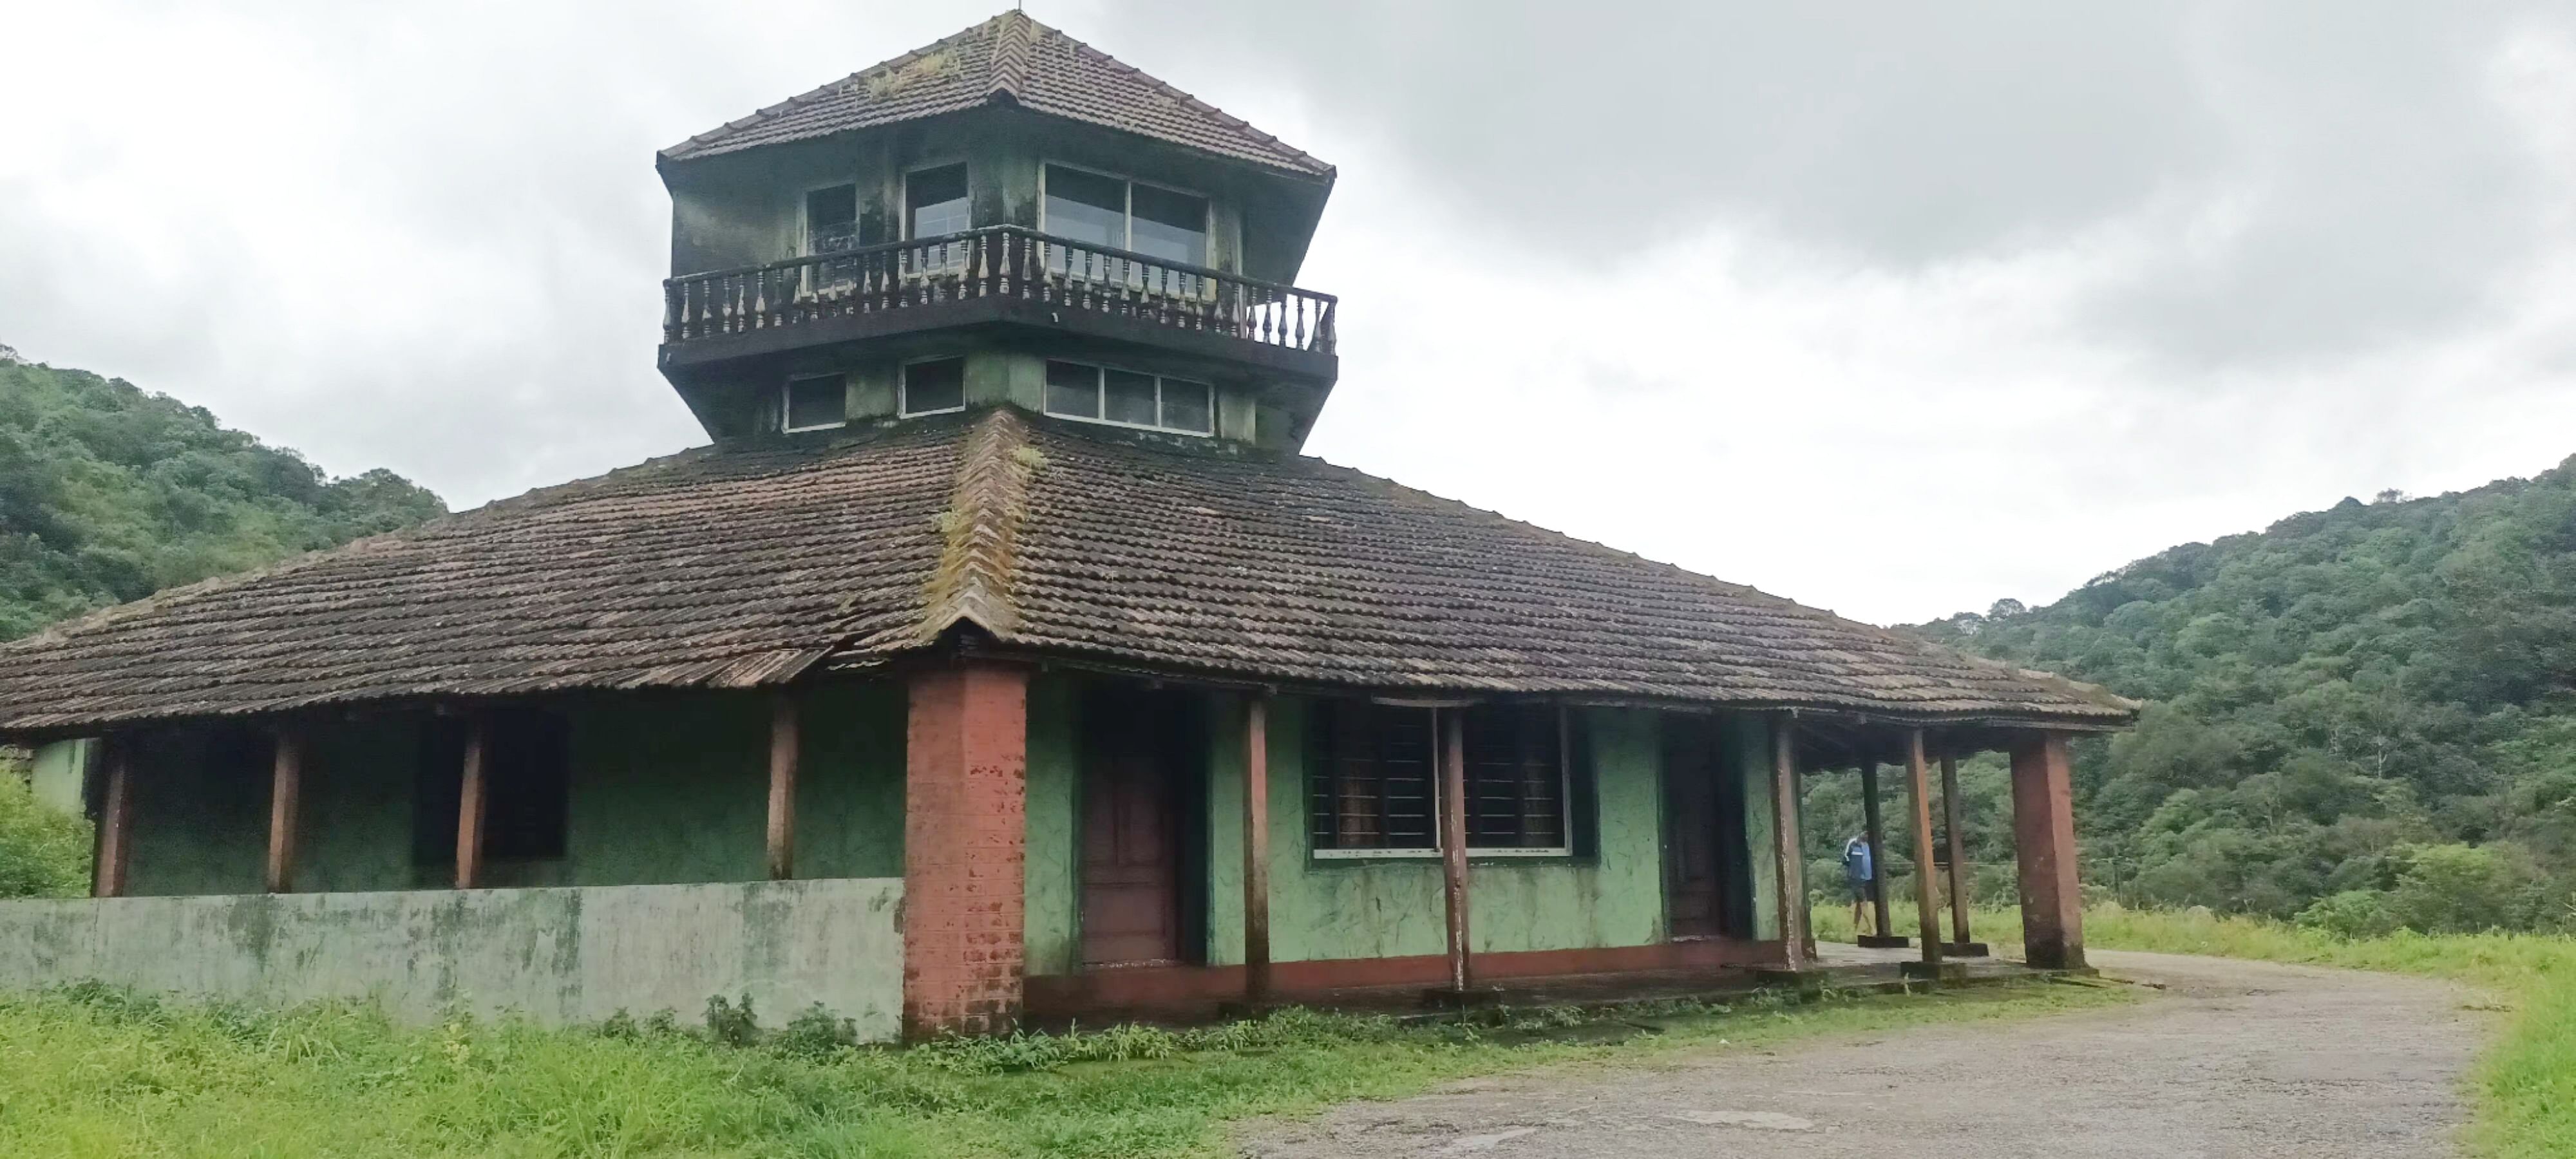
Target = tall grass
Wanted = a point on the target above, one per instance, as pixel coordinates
(94, 1072)
(2524, 1087)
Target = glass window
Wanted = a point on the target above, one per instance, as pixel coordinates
(1086, 207)
(1128, 397)
(831, 219)
(1377, 778)
(1171, 226)
(816, 402)
(1187, 406)
(933, 387)
(1073, 390)
(934, 202)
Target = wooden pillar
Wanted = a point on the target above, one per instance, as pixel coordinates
(469, 805)
(783, 748)
(116, 817)
(1958, 852)
(2052, 915)
(1256, 850)
(1877, 838)
(1927, 908)
(1787, 846)
(1453, 844)
(285, 796)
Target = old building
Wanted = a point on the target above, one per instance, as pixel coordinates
(1002, 655)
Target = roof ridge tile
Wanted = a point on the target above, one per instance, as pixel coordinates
(979, 531)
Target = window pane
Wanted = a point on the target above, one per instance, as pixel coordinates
(1128, 397)
(1086, 207)
(1515, 778)
(1171, 226)
(816, 402)
(935, 201)
(1374, 788)
(934, 386)
(1073, 390)
(1186, 406)
(831, 219)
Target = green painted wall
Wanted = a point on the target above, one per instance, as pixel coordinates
(1052, 930)
(553, 955)
(1747, 740)
(665, 789)
(60, 774)
(1322, 909)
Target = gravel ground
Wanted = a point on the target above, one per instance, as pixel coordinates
(2228, 1059)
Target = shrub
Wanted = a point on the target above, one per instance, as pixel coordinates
(44, 852)
(2464, 889)
(2354, 913)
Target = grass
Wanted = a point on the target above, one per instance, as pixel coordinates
(2524, 1089)
(93, 1072)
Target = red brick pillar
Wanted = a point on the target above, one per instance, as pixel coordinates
(964, 834)
(2052, 907)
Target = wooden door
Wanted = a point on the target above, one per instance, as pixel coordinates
(1694, 861)
(1131, 848)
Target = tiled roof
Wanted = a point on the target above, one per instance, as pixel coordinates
(747, 568)
(1007, 59)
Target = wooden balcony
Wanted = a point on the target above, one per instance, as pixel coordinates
(997, 274)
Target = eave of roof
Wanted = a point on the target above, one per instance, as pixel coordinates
(764, 566)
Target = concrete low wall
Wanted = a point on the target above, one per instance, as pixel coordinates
(567, 955)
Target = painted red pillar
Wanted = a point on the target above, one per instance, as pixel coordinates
(964, 849)
(2052, 906)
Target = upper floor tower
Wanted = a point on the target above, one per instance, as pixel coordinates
(1008, 215)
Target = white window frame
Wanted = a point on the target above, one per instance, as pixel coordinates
(1100, 389)
(903, 388)
(1439, 803)
(1127, 208)
(787, 403)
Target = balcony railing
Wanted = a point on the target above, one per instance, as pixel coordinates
(1006, 262)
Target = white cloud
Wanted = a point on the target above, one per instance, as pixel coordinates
(1891, 319)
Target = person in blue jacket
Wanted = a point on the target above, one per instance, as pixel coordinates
(1860, 867)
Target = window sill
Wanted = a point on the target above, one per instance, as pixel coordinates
(1473, 854)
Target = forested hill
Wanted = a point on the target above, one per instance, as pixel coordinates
(2375, 702)
(108, 494)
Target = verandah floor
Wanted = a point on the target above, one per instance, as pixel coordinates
(1840, 967)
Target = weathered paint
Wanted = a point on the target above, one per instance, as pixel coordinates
(1747, 740)
(554, 955)
(1323, 909)
(666, 789)
(61, 774)
(1053, 930)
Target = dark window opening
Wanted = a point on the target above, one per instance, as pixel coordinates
(527, 787)
(935, 203)
(816, 402)
(831, 219)
(934, 387)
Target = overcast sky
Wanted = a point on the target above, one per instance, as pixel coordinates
(1888, 307)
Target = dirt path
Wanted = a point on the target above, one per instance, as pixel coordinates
(2230, 1059)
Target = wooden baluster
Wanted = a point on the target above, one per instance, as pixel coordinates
(759, 300)
(1298, 303)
